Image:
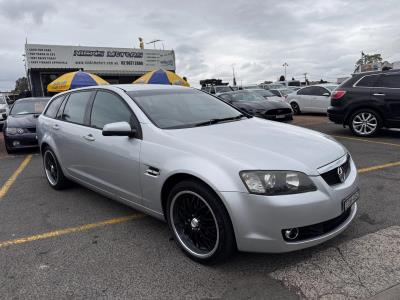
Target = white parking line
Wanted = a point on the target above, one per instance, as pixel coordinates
(357, 269)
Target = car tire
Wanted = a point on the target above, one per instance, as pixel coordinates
(365, 123)
(9, 150)
(200, 223)
(295, 108)
(52, 169)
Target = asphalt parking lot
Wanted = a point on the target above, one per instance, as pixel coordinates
(78, 244)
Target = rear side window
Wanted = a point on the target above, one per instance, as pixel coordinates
(53, 107)
(319, 91)
(305, 91)
(74, 110)
(367, 81)
(389, 81)
(109, 108)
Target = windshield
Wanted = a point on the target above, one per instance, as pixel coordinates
(330, 87)
(223, 89)
(247, 96)
(28, 107)
(275, 86)
(264, 93)
(170, 109)
(286, 92)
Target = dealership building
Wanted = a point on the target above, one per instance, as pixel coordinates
(45, 63)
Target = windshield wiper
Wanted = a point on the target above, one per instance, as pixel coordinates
(215, 121)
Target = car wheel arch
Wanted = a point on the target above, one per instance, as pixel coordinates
(367, 107)
(174, 179)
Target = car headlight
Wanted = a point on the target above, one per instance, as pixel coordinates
(274, 183)
(12, 130)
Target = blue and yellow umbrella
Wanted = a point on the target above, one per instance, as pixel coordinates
(162, 76)
(74, 80)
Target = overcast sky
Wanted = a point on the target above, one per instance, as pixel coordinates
(322, 38)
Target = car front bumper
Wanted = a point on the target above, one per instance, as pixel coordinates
(21, 141)
(259, 220)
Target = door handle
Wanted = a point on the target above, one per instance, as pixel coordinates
(56, 126)
(379, 94)
(89, 137)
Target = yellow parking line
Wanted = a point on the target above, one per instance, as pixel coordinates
(379, 167)
(10, 181)
(70, 230)
(366, 141)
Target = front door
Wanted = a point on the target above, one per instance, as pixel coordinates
(321, 99)
(389, 90)
(113, 162)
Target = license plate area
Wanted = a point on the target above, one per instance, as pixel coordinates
(350, 200)
(280, 116)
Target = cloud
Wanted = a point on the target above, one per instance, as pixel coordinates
(19, 10)
(322, 38)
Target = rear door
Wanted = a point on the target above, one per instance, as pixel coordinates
(69, 131)
(388, 89)
(112, 162)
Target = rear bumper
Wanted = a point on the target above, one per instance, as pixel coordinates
(336, 115)
(21, 141)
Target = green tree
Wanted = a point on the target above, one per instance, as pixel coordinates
(21, 85)
(369, 59)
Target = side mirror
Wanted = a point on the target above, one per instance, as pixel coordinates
(119, 129)
(327, 94)
(4, 116)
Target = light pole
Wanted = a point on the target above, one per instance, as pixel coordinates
(284, 66)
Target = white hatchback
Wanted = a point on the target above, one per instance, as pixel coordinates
(315, 98)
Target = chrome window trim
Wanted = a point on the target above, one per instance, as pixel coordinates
(375, 87)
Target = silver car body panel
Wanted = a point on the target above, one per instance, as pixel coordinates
(134, 171)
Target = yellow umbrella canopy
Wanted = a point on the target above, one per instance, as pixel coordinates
(162, 76)
(74, 80)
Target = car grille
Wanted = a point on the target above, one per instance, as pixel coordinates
(278, 111)
(31, 130)
(313, 231)
(332, 177)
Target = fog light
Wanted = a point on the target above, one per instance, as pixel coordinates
(292, 233)
(15, 143)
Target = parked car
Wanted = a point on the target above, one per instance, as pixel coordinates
(250, 87)
(311, 99)
(20, 127)
(3, 110)
(221, 179)
(367, 102)
(251, 102)
(268, 95)
(283, 93)
(271, 86)
(217, 89)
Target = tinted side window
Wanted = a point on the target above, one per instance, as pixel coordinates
(306, 91)
(74, 110)
(319, 91)
(367, 81)
(390, 81)
(275, 92)
(53, 107)
(109, 108)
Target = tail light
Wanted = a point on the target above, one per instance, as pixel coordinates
(336, 95)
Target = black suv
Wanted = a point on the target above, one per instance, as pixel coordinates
(366, 102)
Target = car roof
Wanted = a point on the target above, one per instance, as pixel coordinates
(32, 99)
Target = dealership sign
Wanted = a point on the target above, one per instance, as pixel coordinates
(98, 59)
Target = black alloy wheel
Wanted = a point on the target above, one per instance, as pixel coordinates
(200, 223)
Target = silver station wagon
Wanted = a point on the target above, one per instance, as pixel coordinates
(223, 180)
